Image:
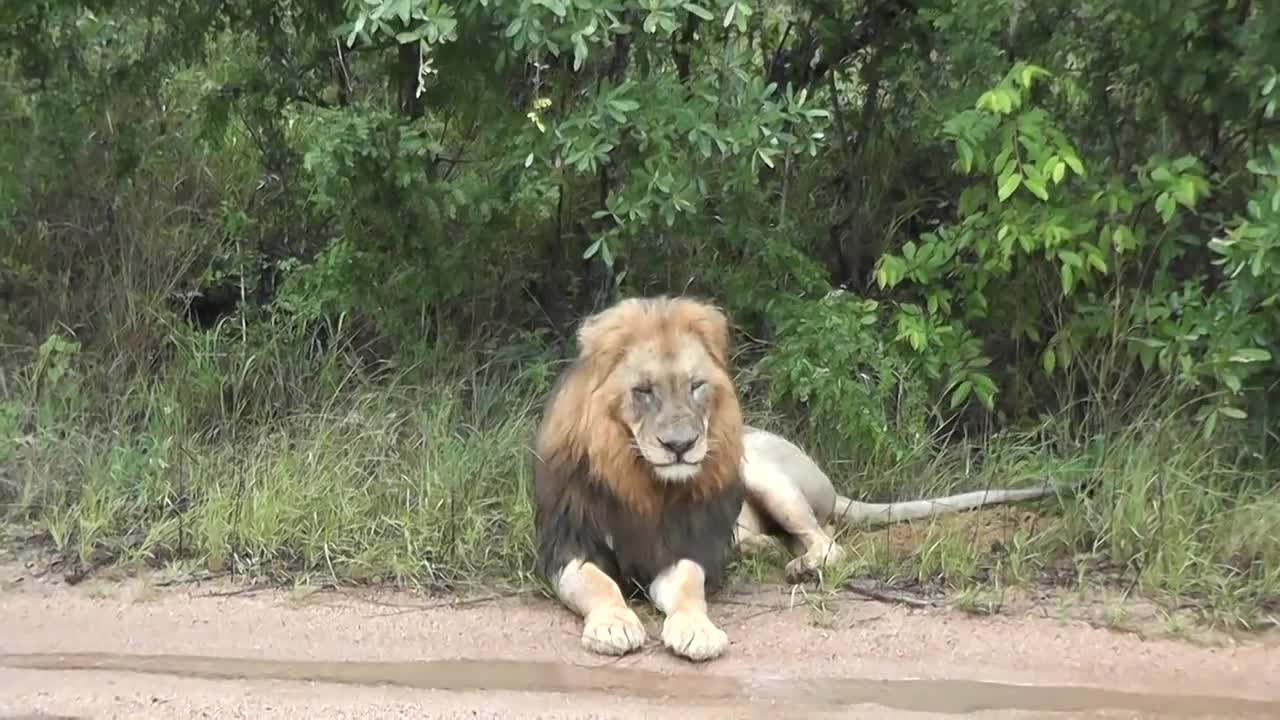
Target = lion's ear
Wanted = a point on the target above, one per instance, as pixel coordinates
(711, 325)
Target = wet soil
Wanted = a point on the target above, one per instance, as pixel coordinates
(132, 650)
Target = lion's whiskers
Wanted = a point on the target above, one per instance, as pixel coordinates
(646, 449)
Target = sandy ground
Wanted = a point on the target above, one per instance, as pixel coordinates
(224, 652)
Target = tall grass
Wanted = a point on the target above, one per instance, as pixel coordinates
(263, 454)
(236, 461)
(1149, 505)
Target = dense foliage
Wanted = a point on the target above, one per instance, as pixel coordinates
(929, 218)
(1026, 203)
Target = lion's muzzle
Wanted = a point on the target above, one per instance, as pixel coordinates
(681, 439)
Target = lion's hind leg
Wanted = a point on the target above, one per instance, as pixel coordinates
(609, 626)
(751, 533)
(771, 491)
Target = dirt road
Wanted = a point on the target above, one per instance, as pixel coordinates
(194, 651)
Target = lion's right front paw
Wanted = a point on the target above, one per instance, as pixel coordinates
(613, 631)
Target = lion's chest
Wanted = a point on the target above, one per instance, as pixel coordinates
(643, 545)
(579, 517)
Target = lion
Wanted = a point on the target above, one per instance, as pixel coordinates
(647, 479)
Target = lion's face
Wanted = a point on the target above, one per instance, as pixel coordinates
(665, 399)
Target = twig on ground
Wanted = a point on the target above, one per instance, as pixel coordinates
(256, 587)
(887, 597)
(451, 604)
(188, 579)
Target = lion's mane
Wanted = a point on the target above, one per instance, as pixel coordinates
(595, 498)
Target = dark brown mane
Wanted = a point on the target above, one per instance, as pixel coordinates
(595, 498)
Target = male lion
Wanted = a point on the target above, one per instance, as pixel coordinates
(646, 478)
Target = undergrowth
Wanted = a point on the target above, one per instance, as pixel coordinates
(333, 476)
(254, 454)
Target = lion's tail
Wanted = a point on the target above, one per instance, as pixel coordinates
(852, 512)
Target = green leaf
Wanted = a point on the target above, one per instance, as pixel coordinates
(1008, 186)
(699, 11)
(966, 155)
(1210, 423)
(961, 394)
(1068, 279)
(1005, 100)
(1166, 206)
(592, 249)
(985, 392)
(1097, 263)
(1250, 355)
(1037, 188)
(1049, 360)
(1123, 239)
(1231, 380)
(1071, 258)
(1074, 163)
(1059, 171)
(1233, 413)
(1185, 193)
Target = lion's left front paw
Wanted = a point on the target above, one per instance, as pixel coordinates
(693, 636)
(819, 557)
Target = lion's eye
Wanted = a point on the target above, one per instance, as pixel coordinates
(696, 386)
(644, 392)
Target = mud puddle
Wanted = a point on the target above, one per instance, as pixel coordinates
(951, 697)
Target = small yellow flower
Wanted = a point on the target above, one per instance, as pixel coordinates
(535, 116)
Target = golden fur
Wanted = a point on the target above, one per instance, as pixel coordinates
(584, 420)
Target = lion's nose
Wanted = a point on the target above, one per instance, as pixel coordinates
(679, 443)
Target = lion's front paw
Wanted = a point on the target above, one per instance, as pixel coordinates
(613, 631)
(694, 636)
(819, 557)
